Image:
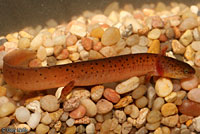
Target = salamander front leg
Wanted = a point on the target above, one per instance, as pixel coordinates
(66, 90)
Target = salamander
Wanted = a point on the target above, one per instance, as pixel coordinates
(92, 72)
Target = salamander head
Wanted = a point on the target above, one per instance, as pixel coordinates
(176, 69)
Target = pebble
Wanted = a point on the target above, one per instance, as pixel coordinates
(74, 56)
(35, 63)
(5, 121)
(189, 83)
(48, 42)
(97, 46)
(87, 43)
(142, 117)
(177, 47)
(78, 113)
(104, 106)
(157, 22)
(197, 59)
(169, 109)
(193, 95)
(84, 55)
(190, 108)
(57, 50)
(163, 87)
(106, 125)
(24, 43)
(78, 29)
(195, 45)
(80, 129)
(51, 61)
(42, 129)
(70, 122)
(170, 121)
(196, 123)
(62, 62)
(154, 47)
(114, 124)
(41, 53)
(126, 127)
(154, 34)
(84, 120)
(141, 102)
(186, 38)
(80, 93)
(22, 114)
(9, 46)
(152, 126)
(125, 51)
(170, 33)
(183, 118)
(108, 51)
(188, 23)
(71, 130)
(71, 40)
(143, 41)
(110, 36)
(124, 102)
(2, 90)
(90, 107)
(128, 85)
(132, 40)
(97, 32)
(97, 92)
(34, 106)
(154, 116)
(189, 53)
(63, 55)
(64, 116)
(49, 103)
(95, 55)
(139, 91)
(46, 119)
(36, 42)
(73, 48)
(151, 95)
(111, 95)
(7, 109)
(171, 97)
(49, 51)
(34, 119)
(90, 129)
(142, 130)
(138, 49)
(196, 34)
(120, 115)
(71, 104)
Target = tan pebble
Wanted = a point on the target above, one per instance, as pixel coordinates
(152, 126)
(189, 53)
(57, 50)
(49, 51)
(97, 92)
(111, 95)
(97, 32)
(70, 130)
(188, 23)
(163, 87)
(124, 102)
(195, 45)
(36, 42)
(71, 104)
(5, 121)
(154, 47)
(125, 51)
(7, 109)
(24, 43)
(49, 103)
(55, 116)
(9, 46)
(186, 38)
(95, 55)
(170, 121)
(158, 131)
(74, 56)
(110, 36)
(29, 100)
(166, 130)
(41, 53)
(139, 91)
(183, 118)
(71, 40)
(132, 40)
(78, 29)
(154, 34)
(177, 32)
(78, 113)
(141, 102)
(128, 85)
(90, 107)
(46, 119)
(154, 116)
(189, 83)
(169, 109)
(107, 51)
(126, 127)
(87, 43)
(106, 125)
(3, 91)
(171, 97)
(84, 55)
(62, 62)
(58, 125)
(120, 115)
(194, 95)
(80, 93)
(97, 46)
(157, 22)
(197, 59)
(63, 55)
(142, 117)
(11, 38)
(24, 34)
(104, 106)
(177, 47)
(157, 104)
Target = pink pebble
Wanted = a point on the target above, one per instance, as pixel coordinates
(194, 95)
(97, 46)
(71, 40)
(157, 22)
(35, 63)
(176, 85)
(111, 95)
(63, 55)
(87, 43)
(189, 83)
(78, 113)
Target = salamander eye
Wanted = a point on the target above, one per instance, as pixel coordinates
(186, 71)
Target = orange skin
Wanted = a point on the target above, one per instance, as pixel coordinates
(113, 69)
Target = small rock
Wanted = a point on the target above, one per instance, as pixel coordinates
(78, 29)
(125, 51)
(142, 117)
(34, 106)
(63, 55)
(124, 102)
(139, 91)
(97, 32)
(71, 40)
(183, 118)
(132, 40)
(36, 42)
(154, 116)
(71, 104)
(78, 113)
(128, 85)
(7, 109)
(142, 130)
(84, 55)
(170, 121)
(196, 123)
(97, 46)
(42, 129)
(97, 92)
(138, 49)
(171, 97)
(169, 109)
(64, 116)
(197, 59)
(62, 62)
(189, 83)
(196, 45)
(90, 129)
(157, 22)
(34, 120)
(55, 116)
(196, 34)
(74, 56)
(120, 115)
(110, 36)
(132, 110)
(154, 47)
(46, 119)
(104, 106)
(49, 51)
(144, 41)
(24, 43)
(151, 95)
(71, 130)
(154, 34)
(177, 47)
(111, 95)
(94, 55)
(193, 95)
(90, 107)
(49, 103)
(5, 121)
(84, 120)
(41, 53)
(80, 129)
(188, 23)
(35, 63)
(186, 38)
(126, 127)
(107, 51)
(70, 122)
(22, 114)
(73, 49)
(163, 87)
(170, 33)
(152, 126)
(87, 43)
(80, 93)
(3, 90)
(141, 102)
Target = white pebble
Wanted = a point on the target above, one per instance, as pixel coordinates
(196, 123)
(70, 122)
(34, 120)
(74, 56)
(49, 51)
(128, 85)
(90, 129)
(36, 42)
(194, 9)
(107, 51)
(41, 53)
(163, 87)
(62, 62)
(48, 42)
(34, 106)
(84, 55)
(78, 29)
(72, 49)
(22, 114)
(59, 40)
